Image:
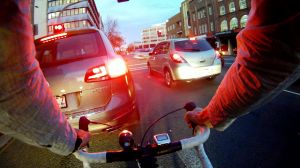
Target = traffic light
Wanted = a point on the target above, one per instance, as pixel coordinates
(58, 28)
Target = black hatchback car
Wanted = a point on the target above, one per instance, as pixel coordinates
(87, 77)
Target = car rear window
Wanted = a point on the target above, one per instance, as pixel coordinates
(192, 45)
(72, 48)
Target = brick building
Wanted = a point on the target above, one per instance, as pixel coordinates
(174, 27)
(222, 19)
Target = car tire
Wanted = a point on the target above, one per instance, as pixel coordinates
(168, 79)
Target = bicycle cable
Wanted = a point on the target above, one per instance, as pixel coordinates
(188, 107)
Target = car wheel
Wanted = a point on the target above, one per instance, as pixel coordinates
(169, 79)
(150, 71)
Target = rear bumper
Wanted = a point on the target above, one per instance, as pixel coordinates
(121, 105)
(190, 73)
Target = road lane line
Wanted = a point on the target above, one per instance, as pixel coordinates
(137, 64)
(292, 92)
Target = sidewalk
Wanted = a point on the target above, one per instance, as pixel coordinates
(4, 142)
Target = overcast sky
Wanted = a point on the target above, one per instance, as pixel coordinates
(134, 15)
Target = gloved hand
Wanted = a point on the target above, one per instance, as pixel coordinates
(197, 117)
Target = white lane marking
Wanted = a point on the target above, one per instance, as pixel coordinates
(131, 65)
(137, 87)
(292, 92)
(138, 68)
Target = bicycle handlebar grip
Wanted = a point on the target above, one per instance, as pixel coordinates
(201, 135)
(190, 106)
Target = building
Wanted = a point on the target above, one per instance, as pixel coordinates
(231, 18)
(174, 27)
(153, 35)
(39, 18)
(185, 15)
(202, 17)
(222, 19)
(74, 14)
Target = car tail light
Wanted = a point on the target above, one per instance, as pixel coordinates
(177, 58)
(218, 55)
(113, 69)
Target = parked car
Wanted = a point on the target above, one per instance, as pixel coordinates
(87, 77)
(184, 60)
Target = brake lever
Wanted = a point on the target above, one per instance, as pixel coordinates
(190, 106)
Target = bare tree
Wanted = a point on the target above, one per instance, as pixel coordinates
(111, 31)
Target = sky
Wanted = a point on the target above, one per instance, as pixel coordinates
(134, 15)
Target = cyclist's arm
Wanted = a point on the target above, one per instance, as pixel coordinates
(28, 111)
(267, 62)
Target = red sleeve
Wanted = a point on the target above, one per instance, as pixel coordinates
(267, 61)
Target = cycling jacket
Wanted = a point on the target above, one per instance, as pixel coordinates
(268, 61)
(28, 111)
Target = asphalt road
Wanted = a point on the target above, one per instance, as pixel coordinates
(268, 137)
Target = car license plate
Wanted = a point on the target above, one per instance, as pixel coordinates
(62, 101)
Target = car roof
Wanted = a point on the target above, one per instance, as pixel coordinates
(70, 33)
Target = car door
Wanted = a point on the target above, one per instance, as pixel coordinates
(153, 57)
(163, 56)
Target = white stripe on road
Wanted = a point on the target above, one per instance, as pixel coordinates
(137, 64)
(292, 92)
(137, 68)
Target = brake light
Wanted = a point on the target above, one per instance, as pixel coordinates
(113, 69)
(218, 54)
(116, 68)
(54, 37)
(177, 58)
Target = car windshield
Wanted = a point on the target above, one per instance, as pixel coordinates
(192, 45)
(69, 49)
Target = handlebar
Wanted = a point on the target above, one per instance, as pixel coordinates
(201, 135)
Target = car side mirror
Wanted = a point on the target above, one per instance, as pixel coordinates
(151, 53)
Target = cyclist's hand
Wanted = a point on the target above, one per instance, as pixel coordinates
(194, 118)
(85, 138)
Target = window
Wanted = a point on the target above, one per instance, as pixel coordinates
(231, 7)
(203, 15)
(242, 4)
(211, 26)
(192, 46)
(243, 21)
(71, 48)
(76, 11)
(233, 23)
(222, 10)
(194, 17)
(224, 26)
(72, 12)
(210, 10)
